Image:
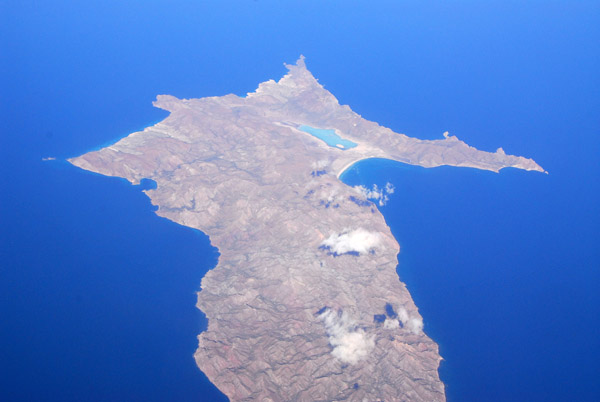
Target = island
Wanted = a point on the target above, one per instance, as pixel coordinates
(305, 303)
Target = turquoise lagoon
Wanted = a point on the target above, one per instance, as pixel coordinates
(329, 137)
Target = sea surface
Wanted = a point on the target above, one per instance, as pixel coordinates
(97, 293)
(504, 273)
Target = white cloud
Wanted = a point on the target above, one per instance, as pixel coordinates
(415, 325)
(350, 343)
(403, 315)
(390, 323)
(358, 241)
(330, 195)
(389, 188)
(378, 194)
(318, 165)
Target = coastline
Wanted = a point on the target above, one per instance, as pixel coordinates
(277, 292)
(348, 166)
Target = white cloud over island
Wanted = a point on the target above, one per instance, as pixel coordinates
(414, 324)
(350, 343)
(377, 194)
(391, 323)
(320, 164)
(359, 241)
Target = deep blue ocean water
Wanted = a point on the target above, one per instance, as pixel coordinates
(97, 293)
(484, 256)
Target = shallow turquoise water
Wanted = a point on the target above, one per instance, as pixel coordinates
(329, 137)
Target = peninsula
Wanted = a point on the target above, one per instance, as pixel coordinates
(305, 302)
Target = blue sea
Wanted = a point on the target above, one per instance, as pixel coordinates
(490, 261)
(98, 293)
